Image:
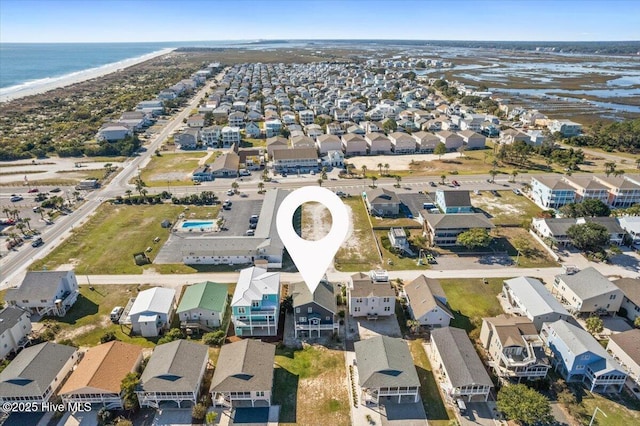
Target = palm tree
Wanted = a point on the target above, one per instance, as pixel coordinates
(386, 168)
(13, 236)
(350, 168)
(618, 172)
(319, 182)
(609, 167)
(380, 168)
(41, 211)
(398, 179)
(493, 173)
(21, 227)
(235, 186)
(16, 214)
(461, 150)
(128, 192)
(442, 178)
(6, 211)
(364, 171)
(323, 173)
(514, 174)
(26, 221)
(144, 193)
(260, 187)
(139, 184)
(373, 181)
(76, 194)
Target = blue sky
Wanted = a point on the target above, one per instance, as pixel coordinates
(186, 20)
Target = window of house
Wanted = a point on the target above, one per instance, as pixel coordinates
(260, 393)
(309, 309)
(265, 297)
(580, 367)
(613, 296)
(328, 318)
(302, 319)
(356, 309)
(386, 300)
(387, 308)
(241, 310)
(255, 304)
(297, 310)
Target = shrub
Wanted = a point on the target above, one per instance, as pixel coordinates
(171, 335)
(198, 411)
(108, 337)
(215, 338)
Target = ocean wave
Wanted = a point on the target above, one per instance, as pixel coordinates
(78, 76)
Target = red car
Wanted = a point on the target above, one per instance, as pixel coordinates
(32, 190)
(455, 183)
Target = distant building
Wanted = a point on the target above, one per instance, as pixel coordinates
(566, 128)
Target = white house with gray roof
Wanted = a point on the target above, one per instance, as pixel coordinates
(244, 374)
(15, 326)
(625, 348)
(152, 310)
(578, 357)
(45, 292)
(173, 375)
(369, 298)
(631, 300)
(453, 355)
(532, 299)
(588, 292)
(427, 302)
(37, 373)
(386, 372)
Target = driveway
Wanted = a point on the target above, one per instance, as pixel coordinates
(172, 416)
(411, 414)
(477, 413)
(361, 328)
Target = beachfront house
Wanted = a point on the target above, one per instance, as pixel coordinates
(15, 326)
(173, 376)
(314, 312)
(255, 306)
(203, 306)
(578, 357)
(244, 374)
(97, 378)
(386, 372)
(45, 292)
(36, 373)
(152, 310)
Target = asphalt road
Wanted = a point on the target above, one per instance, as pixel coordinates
(15, 263)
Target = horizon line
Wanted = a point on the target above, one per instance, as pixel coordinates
(261, 40)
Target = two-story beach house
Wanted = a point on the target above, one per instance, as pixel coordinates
(314, 312)
(588, 292)
(578, 357)
(530, 298)
(514, 347)
(255, 306)
(15, 326)
(203, 305)
(45, 292)
(369, 298)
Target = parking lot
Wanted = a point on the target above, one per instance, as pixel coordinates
(236, 220)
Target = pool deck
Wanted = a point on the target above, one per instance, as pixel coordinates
(208, 226)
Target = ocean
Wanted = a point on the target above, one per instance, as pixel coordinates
(25, 65)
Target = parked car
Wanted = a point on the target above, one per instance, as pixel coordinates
(55, 190)
(116, 313)
(230, 192)
(495, 193)
(517, 191)
(455, 183)
(254, 218)
(33, 190)
(250, 233)
(341, 194)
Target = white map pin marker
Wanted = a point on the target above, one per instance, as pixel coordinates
(312, 258)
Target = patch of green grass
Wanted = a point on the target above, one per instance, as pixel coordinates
(253, 143)
(397, 263)
(537, 257)
(471, 300)
(310, 384)
(154, 174)
(81, 174)
(107, 242)
(359, 252)
(431, 399)
(622, 412)
(88, 319)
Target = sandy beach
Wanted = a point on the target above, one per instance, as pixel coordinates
(45, 85)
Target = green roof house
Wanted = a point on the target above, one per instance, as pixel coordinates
(203, 305)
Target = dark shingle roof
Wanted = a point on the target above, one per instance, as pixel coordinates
(459, 357)
(174, 367)
(385, 362)
(381, 195)
(423, 294)
(324, 295)
(457, 221)
(457, 198)
(244, 366)
(34, 369)
(630, 287)
(629, 342)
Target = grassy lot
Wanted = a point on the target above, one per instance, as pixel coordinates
(359, 252)
(398, 263)
(618, 412)
(253, 143)
(172, 169)
(471, 300)
(311, 387)
(395, 223)
(437, 413)
(538, 256)
(107, 242)
(88, 319)
(507, 209)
